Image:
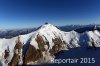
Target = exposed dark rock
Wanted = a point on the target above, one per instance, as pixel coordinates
(58, 46)
(40, 42)
(6, 54)
(14, 60)
(17, 54)
(32, 54)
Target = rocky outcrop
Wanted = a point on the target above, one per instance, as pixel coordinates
(6, 55)
(32, 55)
(58, 46)
(17, 58)
(41, 42)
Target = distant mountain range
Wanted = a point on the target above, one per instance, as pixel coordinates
(77, 28)
(80, 28)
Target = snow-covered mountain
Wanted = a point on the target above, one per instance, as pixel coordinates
(39, 47)
(36, 47)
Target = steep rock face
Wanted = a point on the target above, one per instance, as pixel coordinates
(17, 58)
(37, 47)
(32, 55)
(58, 46)
(41, 42)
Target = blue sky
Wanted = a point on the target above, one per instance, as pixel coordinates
(33, 13)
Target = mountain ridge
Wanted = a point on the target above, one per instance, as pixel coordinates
(40, 46)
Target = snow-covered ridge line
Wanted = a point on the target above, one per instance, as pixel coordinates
(43, 43)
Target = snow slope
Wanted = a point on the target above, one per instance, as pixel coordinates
(49, 33)
(94, 37)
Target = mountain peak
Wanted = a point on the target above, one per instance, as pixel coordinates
(46, 22)
(49, 27)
